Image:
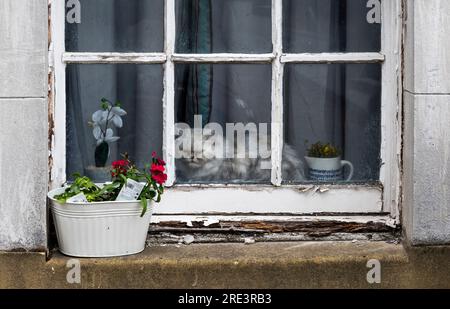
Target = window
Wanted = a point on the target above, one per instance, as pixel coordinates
(294, 72)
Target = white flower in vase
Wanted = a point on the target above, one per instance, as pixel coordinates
(103, 123)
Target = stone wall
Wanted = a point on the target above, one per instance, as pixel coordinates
(426, 183)
(23, 124)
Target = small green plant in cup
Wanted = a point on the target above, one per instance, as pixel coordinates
(320, 150)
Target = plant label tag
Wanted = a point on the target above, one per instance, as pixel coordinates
(130, 191)
(79, 198)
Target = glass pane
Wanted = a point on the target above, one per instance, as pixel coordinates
(232, 26)
(338, 104)
(314, 26)
(233, 106)
(116, 26)
(139, 89)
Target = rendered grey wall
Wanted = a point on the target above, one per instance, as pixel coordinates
(23, 124)
(426, 205)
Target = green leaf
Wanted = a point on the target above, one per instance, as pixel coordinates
(144, 206)
(152, 194)
(124, 179)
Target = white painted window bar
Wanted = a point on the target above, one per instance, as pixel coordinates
(254, 199)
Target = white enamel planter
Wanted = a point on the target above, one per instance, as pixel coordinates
(103, 229)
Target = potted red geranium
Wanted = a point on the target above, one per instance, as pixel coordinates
(110, 219)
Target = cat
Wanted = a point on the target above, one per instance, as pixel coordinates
(204, 164)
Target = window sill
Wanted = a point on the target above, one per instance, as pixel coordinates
(178, 229)
(325, 264)
(260, 265)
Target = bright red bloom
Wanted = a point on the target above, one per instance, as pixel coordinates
(160, 178)
(119, 167)
(120, 164)
(156, 168)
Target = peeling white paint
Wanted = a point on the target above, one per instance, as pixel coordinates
(210, 221)
(269, 199)
(249, 240)
(169, 93)
(333, 58)
(382, 219)
(391, 105)
(58, 170)
(114, 58)
(277, 93)
(223, 58)
(188, 239)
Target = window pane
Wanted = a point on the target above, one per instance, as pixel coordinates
(338, 104)
(223, 95)
(331, 26)
(116, 26)
(232, 26)
(139, 89)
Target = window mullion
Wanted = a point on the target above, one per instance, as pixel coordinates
(223, 58)
(277, 92)
(88, 58)
(169, 92)
(391, 107)
(333, 58)
(57, 108)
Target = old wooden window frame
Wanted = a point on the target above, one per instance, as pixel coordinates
(369, 202)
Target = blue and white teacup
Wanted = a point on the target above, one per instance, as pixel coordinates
(328, 169)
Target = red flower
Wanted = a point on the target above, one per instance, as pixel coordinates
(120, 164)
(119, 167)
(160, 178)
(154, 154)
(156, 168)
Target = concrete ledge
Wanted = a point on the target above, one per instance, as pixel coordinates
(260, 265)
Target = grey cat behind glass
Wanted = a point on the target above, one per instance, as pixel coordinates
(205, 166)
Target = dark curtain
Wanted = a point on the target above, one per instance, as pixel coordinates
(194, 36)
